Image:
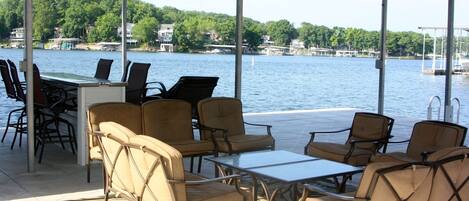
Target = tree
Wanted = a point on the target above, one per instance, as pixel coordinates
(146, 30)
(45, 19)
(338, 38)
(253, 32)
(75, 20)
(191, 34)
(282, 31)
(226, 31)
(106, 28)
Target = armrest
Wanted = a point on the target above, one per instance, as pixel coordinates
(161, 88)
(204, 181)
(322, 191)
(324, 132)
(268, 127)
(397, 142)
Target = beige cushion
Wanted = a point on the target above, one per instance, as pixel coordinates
(121, 177)
(168, 120)
(213, 191)
(95, 153)
(433, 136)
(126, 114)
(368, 127)
(337, 152)
(193, 147)
(224, 113)
(241, 143)
(172, 169)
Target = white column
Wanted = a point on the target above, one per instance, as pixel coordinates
(382, 59)
(239, 48)
(28, 60)
(124, 35)
(449, 62)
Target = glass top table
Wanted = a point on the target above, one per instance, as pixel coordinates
(283, 166)
(77, 80)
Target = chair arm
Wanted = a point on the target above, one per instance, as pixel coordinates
(397, 142)
(313, 134)
(161, 88)
(268, 127)
(205, 181)
(309, 187)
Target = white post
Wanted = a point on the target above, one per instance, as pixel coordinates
(434, 52)
(239, 48)
(442, 59)
(28, 60)
(423, 51)
(382, 59)
(124, 35)
(449, 62)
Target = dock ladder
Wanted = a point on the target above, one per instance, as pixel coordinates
(437, 99)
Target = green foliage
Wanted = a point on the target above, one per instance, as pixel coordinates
(146, 30)
(45, 19)
(282, 31)
(192, 33)
(106, 28)
(226, 31)
(253, 32)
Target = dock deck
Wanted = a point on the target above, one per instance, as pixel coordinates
(60, 178)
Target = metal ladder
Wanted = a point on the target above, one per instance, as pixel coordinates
(438, 100)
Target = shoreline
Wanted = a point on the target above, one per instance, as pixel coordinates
(208, 53)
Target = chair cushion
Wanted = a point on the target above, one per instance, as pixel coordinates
(393, 157)
(337, 152)
(213, 191)
(168, 120)
(95, 153)
(241, 143)
(193, 147)
(367, 126)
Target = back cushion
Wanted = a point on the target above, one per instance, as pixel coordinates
(432, 136)
(121, 177)
(457, 172)
(168, 120)
(368, 127)
(169, 166)
(126, 114)
(224, 113)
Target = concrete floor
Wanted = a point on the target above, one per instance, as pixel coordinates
(60, 178)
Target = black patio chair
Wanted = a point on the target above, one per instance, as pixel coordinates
(49, 104)
(189, 88)
(126, 71)
(11, 93)
(20, 96)
(103, 69)
(136, 89)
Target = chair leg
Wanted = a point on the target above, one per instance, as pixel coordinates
(192, 164)
(57, 126)
(8, 122)
(199, 168)
(88, 171)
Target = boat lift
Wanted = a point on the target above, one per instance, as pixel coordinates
(439, 35)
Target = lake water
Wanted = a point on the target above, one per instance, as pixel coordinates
(276, 83)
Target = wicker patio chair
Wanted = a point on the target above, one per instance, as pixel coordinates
(221, 120)
(369, 133)
(143, 168)
(427, 137)
(123, 113)
(170, 121)
(103, 69)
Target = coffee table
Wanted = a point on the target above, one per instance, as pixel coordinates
(285, 167)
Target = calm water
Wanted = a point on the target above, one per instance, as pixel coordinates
(276, 83)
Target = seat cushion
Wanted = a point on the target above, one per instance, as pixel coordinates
(241, 143)
(213, 191)
(337, 152)
(193, 147)
(393, 157)
(95, 153)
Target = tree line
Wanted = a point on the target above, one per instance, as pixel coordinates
(94, 21)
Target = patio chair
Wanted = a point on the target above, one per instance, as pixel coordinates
(135, 91)
(11, 93)
(369, 133)
(191, 89)
(125, 71)
(144, 168)
(221, 120)
(170, 121)
(444, 178)
(427, 137)
(103, 69)
(20, 127)
(49, 104)
(126, 114)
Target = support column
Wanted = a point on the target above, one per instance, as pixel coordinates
(124, 35)
(239, 48)
(449, 62)
(382, 58)
(28, 61)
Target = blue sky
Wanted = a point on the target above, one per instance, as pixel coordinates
(404, 15)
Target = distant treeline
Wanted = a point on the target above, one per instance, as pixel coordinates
(95, 21)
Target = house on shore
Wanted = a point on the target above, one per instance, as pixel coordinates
(129, 34)
(165, 37)
(17, 38)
